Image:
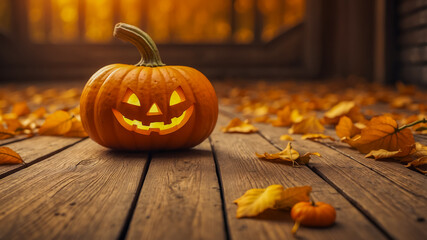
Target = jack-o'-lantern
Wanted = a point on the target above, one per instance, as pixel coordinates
(147, 106)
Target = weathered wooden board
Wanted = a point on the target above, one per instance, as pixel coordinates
(35, 149)
(241, 170)
(398, 211)
(11, 140)
(180, 198)
(83, 192)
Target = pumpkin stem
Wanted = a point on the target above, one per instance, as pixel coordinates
(147, 48)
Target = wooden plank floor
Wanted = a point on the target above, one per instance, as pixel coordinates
(76, 189)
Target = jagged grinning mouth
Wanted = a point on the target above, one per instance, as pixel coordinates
(159, 127)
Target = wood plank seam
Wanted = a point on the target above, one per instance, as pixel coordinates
(346, 196)
(26, 165)
(13, 140)
(221, 191)
(372, 169)
(124, 231)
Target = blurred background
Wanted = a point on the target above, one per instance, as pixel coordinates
(381, 40)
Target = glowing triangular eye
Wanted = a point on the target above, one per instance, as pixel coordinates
(154, 110)
(177, 97)
(133, 99)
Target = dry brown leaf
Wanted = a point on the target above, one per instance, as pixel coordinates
(316, 136)
(286, 137)
(419, 152)
(292, 196)
(256, 201)
(20, 109)
(308, 125)
(238, 126)
(8, 156)
(420, 164)
(382, 133)
(381, 154)
(344, 108)
(76, 129)
(288, 155)
(346, 128)
(58, 123)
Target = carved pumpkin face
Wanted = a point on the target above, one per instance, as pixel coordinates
(147, 106)
(181, 111)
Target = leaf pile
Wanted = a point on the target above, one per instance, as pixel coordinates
(255, 201)
(308, 109)
(33, 111)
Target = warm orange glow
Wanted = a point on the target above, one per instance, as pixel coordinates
(185, 21)
(64, 20)
(36, 20)
(154, 110)
(159, 127)
(177, 97)
(99, 20)
(5, 16)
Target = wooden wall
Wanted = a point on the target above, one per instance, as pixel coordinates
(412, 41)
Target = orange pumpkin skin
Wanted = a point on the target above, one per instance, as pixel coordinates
(102, 106)
(318, 215)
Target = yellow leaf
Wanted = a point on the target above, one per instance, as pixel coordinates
(238, 126)
(286, 137)
(308, 125)
(58, 123)
(315, 136)
(76, 129)
(382, 133)
(381, 153)
(256, 201)
(346, 128)
(8, 156)
(340, 109)
(292, 196)
(289, 155)
(296, 117)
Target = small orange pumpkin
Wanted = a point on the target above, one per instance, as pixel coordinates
(147, 106)
(312, 214)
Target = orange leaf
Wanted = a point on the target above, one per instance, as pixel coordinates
(8, 156)
(292, 196)
(381, 153)
(308, 125)
(238, 126)
(283, 118)
(289, 154)
(346, 128)
(58, 123)
(76, 130)
(20, 109)
(382, 133)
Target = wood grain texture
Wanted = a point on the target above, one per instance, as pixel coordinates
(180, 198)
(241, 170)
(83, 192)
(398, 211)
(34, 149)
(11, 140)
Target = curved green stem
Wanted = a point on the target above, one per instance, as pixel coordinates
(412, 124)
(147, 48)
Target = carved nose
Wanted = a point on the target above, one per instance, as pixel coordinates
(154, 110)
